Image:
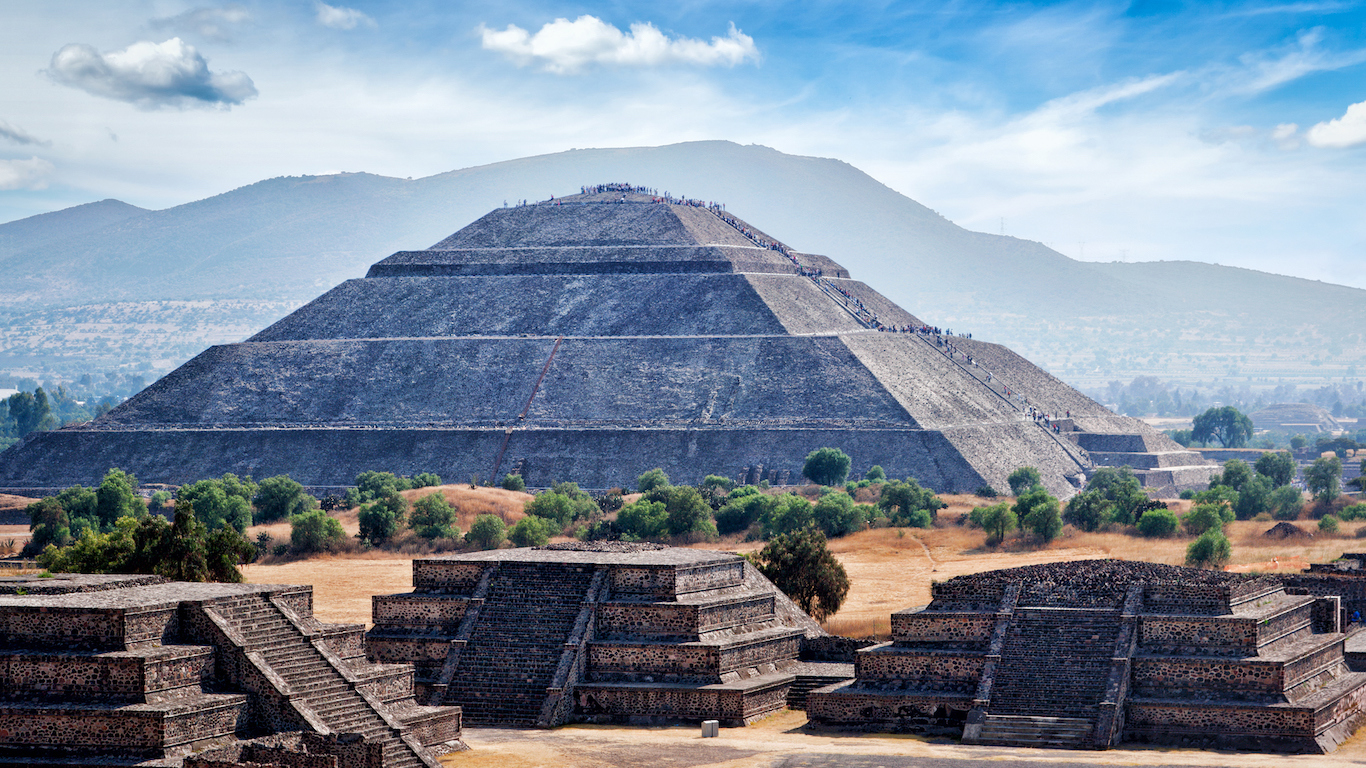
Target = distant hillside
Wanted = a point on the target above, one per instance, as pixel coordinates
(285, 240)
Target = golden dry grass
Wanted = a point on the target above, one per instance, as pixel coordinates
(10, 502)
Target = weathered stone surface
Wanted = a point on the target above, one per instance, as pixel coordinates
(592, 339)
(1091, 653)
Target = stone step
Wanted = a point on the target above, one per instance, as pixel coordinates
(1035, 731)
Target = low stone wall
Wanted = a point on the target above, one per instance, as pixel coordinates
(692, 662)
(105, 677)
(849, 705)
(733, 706)
(679, 620)
(446, 576)
(88, 628)
(943, 627)
(418, 608)
(921, 669)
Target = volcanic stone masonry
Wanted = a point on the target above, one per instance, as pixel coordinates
(597, 632)
(1088, 654)
(122, 670)
(593, 338)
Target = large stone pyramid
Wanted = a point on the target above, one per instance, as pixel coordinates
(591, 338)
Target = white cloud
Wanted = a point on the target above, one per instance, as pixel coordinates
(338, 17)
(1286, 135)
(212, 23)
(566, 46)
(18, 135)
(150, 75)
(1346, 131)
(25, 174)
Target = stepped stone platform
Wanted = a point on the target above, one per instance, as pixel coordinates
(598, 632)
(593, 338)
(1344, 577)
(137, 670)
(1089, 654)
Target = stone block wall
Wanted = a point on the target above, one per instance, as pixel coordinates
(950, 628)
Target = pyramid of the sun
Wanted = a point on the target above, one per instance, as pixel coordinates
(593, 338)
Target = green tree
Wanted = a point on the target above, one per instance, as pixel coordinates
(117, 497)
(1157, 523)
(998, 521)
(651, 480)
(908, 504)
(314, 531)
(279, 497)
(424, 480)
(381, 519)
(644, 520)
(49, 524)
(562, 506)
(1022, 479)
(372, 485)
(219, 502)
(486, 532)
(1203, 517)
(1237, 473)
(1231, 427)
(1328, 524)
(875, 475)
(1254, 498)
(801, 565)
(1322, 478)
(530, 532)
(836, 515)
(688, 512)
(513, 482)
(1120, 487)
(1287, 503)
(1038, 511)
(183, 547)
(1211, 550)
(1088, 510)
(1278, 467)
(826, 466)
(433, 517)
(715, 488)
(30, 412)
(160, 502)
(743, 508)
(790, 513)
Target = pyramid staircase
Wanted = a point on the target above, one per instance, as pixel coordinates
(511, 658)
(312, 678)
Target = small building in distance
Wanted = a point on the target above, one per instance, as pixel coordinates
(1294, 418)
(599, 632)
(1093, 653)
(113, 670)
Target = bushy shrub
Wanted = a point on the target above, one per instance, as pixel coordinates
(1203, 517)
(907, 504)
(1287, 502)
(643, 520)
(531, 532)
(424, 480)
(1329, 524)
(562, 506)
(788, 514)
(279, 497)
(1038, 512)
(875, 474)
(433, 517)
(836, 515)
(1023, 479)
(226, 501)
(1088, 510)
(486, 532)
(1157, 523)
(998, 520)
(1211, 550)
(1353, 512)
(801, 565)
(743, 508)
(826, 466)
(651, 480)
(314, 531)
(688, 513)
(513, 482)
(987, 492)
(380, 520)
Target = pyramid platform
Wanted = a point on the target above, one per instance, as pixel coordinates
(592, 338)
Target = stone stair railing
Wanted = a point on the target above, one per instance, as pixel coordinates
(1110, 723)
(574, 659)
(972, 729)
(304, 674)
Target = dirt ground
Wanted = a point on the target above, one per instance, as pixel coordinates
(783, 741)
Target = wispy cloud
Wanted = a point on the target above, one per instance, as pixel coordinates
(211, 23)
(150, 75)
(565, 46)
(338, 17)
(19, 136)
(1264, 71)
(1346, 131)
(25, 174)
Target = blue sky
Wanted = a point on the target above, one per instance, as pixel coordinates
(1231, 133)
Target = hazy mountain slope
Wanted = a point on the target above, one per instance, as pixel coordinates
(288, 239)
(45, 229)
